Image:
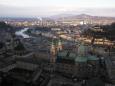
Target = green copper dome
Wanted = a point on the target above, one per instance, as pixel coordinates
(92, 58)
(81, 59)
(62, 54)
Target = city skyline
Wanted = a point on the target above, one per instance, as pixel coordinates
(44, 8)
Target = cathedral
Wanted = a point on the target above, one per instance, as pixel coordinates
(55, 48)
(80, 64)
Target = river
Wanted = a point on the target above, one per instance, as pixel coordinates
(21, 33)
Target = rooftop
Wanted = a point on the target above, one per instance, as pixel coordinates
(74, 57)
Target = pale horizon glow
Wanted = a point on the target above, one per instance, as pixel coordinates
(29, 8)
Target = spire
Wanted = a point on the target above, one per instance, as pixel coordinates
(53, 52)
(59, 47)
(81, 50)
(52, 48)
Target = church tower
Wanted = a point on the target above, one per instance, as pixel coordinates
(81, 50)
(53, 53)
(59, 47)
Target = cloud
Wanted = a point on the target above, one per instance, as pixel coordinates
(42, 11)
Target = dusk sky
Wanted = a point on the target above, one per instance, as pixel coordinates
(34, 8)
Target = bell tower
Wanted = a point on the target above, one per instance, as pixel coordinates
(81, 50)
(59, 47)
(53, 53)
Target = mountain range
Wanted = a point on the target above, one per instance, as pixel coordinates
(80, 16)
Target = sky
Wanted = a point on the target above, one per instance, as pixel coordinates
(44, 8)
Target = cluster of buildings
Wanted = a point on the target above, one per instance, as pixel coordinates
(65, 66)
(43, 61)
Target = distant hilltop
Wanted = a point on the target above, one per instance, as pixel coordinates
(80, 16)
(75, 19)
